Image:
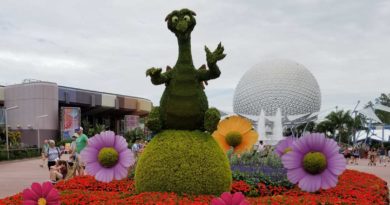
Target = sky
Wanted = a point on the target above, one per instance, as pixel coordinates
(108, 45)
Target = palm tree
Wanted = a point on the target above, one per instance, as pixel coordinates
(337, 123)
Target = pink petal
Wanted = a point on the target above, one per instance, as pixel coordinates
(53, 196)
(37, 189)
(310, 183)
(30, 202)
(330, 148)
(316, 141)
(93, 168)
(120, 172)
(295, 175)
(238, 197)
(46, 188)
(328, 179)
(96, 142)
(217, 201)
(108, 138)
(227, 198)
(126, 158)
(105, 175)
(292, 160)
(336, 164)
(120, 143)
(28, 194)
(89, 154)
(300, 145)
(244, 203)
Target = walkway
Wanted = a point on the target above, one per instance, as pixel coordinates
(379, 170)
(20, 174)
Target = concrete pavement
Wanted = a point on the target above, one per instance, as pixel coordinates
(378, 170)
(20, 174)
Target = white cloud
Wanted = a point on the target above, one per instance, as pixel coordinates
(108, 45)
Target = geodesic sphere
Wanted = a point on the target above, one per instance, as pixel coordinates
(276, 84)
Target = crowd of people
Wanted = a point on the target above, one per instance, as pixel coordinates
(64, 163)
(374, 155)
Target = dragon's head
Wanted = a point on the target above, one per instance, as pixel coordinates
(181, 22)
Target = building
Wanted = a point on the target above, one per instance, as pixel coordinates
(277, 94)
(40, 108)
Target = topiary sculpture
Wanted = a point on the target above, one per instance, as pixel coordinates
(183, 158)
(183, 162)
(183, 105)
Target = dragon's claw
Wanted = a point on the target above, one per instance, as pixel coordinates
(153, 71)
(216, 55)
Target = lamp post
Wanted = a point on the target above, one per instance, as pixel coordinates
(38, 127)
(6, 126)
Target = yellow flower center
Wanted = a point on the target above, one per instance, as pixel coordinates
(287, 150)
(42, 201)
(314, 162)
(108, 157)
(233, 138)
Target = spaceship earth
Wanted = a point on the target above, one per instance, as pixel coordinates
(274, 84)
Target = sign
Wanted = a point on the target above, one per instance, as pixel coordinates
(70, 120)
(131, 122)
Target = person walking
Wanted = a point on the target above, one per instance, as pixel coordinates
(81, 143)
(45, 147)
(53, 154)
(382, 155)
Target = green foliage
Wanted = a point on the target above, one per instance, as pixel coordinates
(339, 125)
(233, 138)
(134, 135)
(20, 153)
(14, 138)
(153, 121)
(254, 167)
(211, 119)
(108, 157)
(183, 162)
(382, 115)
(184, 103)
(314, 162)
(63, 142)
(96, 129)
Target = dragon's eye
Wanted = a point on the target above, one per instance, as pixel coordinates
(175, 19)
(187, 18)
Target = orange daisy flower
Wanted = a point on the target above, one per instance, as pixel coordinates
(236, 132)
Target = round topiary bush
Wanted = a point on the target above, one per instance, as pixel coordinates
(183, 162)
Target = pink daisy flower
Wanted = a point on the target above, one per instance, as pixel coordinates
(230, 199)
(39, 194)
(107, 157)
(284, 146)
(314, 162)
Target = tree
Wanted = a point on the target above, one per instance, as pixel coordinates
(383, 100)
(338, 124)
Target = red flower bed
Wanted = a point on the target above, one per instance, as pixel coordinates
(353, 188)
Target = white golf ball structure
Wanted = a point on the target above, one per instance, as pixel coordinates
(275, 84)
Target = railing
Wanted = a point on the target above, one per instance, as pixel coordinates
(20, 153)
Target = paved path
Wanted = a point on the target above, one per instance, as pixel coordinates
(18, 175)
(379, 170)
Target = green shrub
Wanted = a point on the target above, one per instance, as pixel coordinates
(183, 162)
(212, 117)
(63, 142)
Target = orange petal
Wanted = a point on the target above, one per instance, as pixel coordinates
(234, 123)
(221, 141)
(248, 140)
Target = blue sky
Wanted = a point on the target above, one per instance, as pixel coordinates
(108, 45)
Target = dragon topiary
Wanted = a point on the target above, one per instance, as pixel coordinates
(183, 105)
